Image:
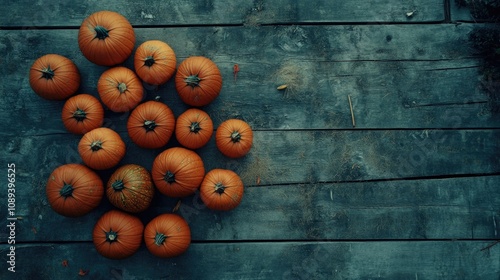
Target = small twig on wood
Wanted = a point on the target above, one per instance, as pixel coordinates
(177, 206)
(491, 245)
(352, 111)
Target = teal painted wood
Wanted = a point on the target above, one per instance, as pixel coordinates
(218, 12)
(393, 260)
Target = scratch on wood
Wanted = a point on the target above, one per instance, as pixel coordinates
(331, 195)
(352, 111)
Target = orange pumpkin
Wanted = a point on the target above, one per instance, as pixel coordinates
(198, 81)
(194, 128)
(74, 190)
(221, 189)
(101, 148)
(130, 188)
(151, 124)
(177, 172)
(234, 138)
(106, 38)
(82, 113)
(155, 62)
(120, 89)
(167, 235)
(54, 77)
(117, 235)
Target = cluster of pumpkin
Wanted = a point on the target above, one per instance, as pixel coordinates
(107, 38)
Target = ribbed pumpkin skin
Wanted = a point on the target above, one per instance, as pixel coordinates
(54, 77)
(120, 89)
(198, 81)
(155, 62)
(106, 38)
(194, 128)
(117, 235)
(74, 190)
(234, 138)
(177, 172)
(130, 188)
(221, 190)
(151, 125)
(82, 113)
(167, 235)
(101, 148)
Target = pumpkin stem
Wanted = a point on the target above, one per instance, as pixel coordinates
(149, 125)
(169, 177)
(118, 185)
(195, 127)
(47, 73)
(160, 238)
(219, 188)
(96, 145)
(79, 115)
(122, 87)
(66, 190)
(101, 33)
(111, 236)
(149, 61)
(235, 136)
(193, 81)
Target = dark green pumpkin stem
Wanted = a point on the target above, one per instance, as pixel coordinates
(66, 190)
(118, 185)
(122, 87)
(47, 73)
(96, 145)
(235, 136)
(79, 115)
(219, 188)
(149, 125)
(101, 33)
(111, 236)
(169, 177)
(193, 81)
(195, 127)
(160, 238)
(149, 61)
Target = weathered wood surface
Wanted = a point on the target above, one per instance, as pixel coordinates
(397, 76)
(438, 209)
(220, 12)
(395, 260)
(387, 199)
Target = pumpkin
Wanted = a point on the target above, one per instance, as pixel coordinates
(74, 190)
(234, 138)
(117, 235)
(151, 124)
(106, 38)
(82, 113)
(101, 148)
(120, 89)
(155, 62)
(167, 235)
(194, 128)
(177, 172)
(198, 81)
(130, 188)
(54, 77)
(221, 189)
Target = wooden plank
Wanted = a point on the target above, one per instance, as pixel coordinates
(310, 156)
(428, 90)
(473, 11)
(216, 12)
(255, 260)
(454, 208)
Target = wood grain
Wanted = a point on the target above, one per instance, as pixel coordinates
(261, 260)
(219, 12)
